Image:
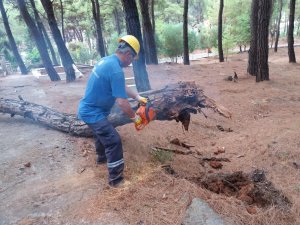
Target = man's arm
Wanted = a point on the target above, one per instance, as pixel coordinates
(131, 93)
(125, 106)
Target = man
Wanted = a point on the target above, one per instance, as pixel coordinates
(106, 86)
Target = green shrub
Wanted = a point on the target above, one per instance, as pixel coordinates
(192, 40)
(208, 37)
(170, 42)
(161, 156)
(112, 42)
(6, 50)
(81, 53)
(228, 41)
(33, 58)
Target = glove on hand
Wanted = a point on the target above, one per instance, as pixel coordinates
(141, 99)
(137, 120)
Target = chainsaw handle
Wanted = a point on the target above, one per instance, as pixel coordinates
(147, 113)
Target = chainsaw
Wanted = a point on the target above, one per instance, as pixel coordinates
(147, 114)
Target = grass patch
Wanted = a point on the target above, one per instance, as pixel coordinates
(162, 156)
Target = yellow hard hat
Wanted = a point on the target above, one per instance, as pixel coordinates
(132, 41)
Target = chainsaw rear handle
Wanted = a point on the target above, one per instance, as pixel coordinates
(147, 114)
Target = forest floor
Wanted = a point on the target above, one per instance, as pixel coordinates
(48, 177)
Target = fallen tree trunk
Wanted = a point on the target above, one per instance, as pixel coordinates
(175, 101)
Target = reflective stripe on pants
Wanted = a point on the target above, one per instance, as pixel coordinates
(107, 135)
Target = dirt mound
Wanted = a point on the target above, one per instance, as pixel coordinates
(252, 188)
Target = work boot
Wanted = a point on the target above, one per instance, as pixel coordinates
(101, 159)
(116, 183)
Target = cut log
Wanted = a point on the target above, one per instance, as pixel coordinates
(174, 102)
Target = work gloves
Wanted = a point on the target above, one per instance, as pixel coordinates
(137, 121)
(141, 99)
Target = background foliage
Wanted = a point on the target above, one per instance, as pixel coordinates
(203, 17)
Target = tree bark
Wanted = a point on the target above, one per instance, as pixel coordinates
(149, 39)
(12, 41)
(134, 28)
(252, 59)
(291, 51)
(97, 20)
(117, 20)
(152, 15)
(220, 24)
(62, 20)
(278, 26)
(174, 102)
(262, 40)
(146, 46)
(285, 25)
(39, 40)
(272, 34)
(298, 28)
(186, 59)
(43, 32)
(65, 56)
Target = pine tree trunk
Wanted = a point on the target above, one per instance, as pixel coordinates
(278, 26)
(65, 56)
(272, 34)
(150, 50)
(50, 46)
(134, 28)
(252, 59)
(220, 23)
(39, 40)
(152, 15)
(77, 34)
(12, 41)
(186, 59)
(96, 16)
(146, 46)
(291, 52)
(117, 20)
(102, 27)
(170, 103)
(44, 32)
(62, 20)
(262, 40)
(285, 25)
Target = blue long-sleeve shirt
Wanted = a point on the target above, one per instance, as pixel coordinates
(106, 83)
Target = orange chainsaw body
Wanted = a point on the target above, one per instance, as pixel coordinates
(147, 113)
